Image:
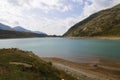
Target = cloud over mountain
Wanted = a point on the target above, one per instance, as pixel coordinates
(50, 16)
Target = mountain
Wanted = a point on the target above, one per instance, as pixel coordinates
(5, 27)
(21, 29)
(17, 32)
(38, 32)
(102, 23)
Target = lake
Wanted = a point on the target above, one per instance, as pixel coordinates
(66, 47)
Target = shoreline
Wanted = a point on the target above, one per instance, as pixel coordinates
(97, 37)
(105, 70)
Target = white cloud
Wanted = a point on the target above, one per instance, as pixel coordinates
(116, 2)
(96, 6)
(51, 26)
(66, 8)
(13, 12)
(78, 1)
(45, 5)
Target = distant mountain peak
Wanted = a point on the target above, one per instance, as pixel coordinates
(17, 32)
(5, 27)
(21, 29)
(38, 32)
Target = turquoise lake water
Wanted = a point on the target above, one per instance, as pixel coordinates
(65, 47)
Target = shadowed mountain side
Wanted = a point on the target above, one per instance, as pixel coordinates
(17, 34)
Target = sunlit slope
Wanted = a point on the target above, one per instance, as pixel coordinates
(102, 23)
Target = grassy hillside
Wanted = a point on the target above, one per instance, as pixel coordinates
(103, 23)
(16, 64)
(17, 34)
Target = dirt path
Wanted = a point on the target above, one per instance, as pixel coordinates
(20, 63)
(84, 71)
(79, 74)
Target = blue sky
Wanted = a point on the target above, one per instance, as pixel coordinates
(49, 16)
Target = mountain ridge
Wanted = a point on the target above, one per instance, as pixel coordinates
(5, 27)
(103, 23)
(21, 29)
(17, 32)
(18, 28)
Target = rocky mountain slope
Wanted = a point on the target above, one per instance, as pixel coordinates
(102, 23)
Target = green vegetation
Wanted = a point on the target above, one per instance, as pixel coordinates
(16, 64)
(17, 34)
(103, 23)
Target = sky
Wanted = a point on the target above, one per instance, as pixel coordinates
(53, 17)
